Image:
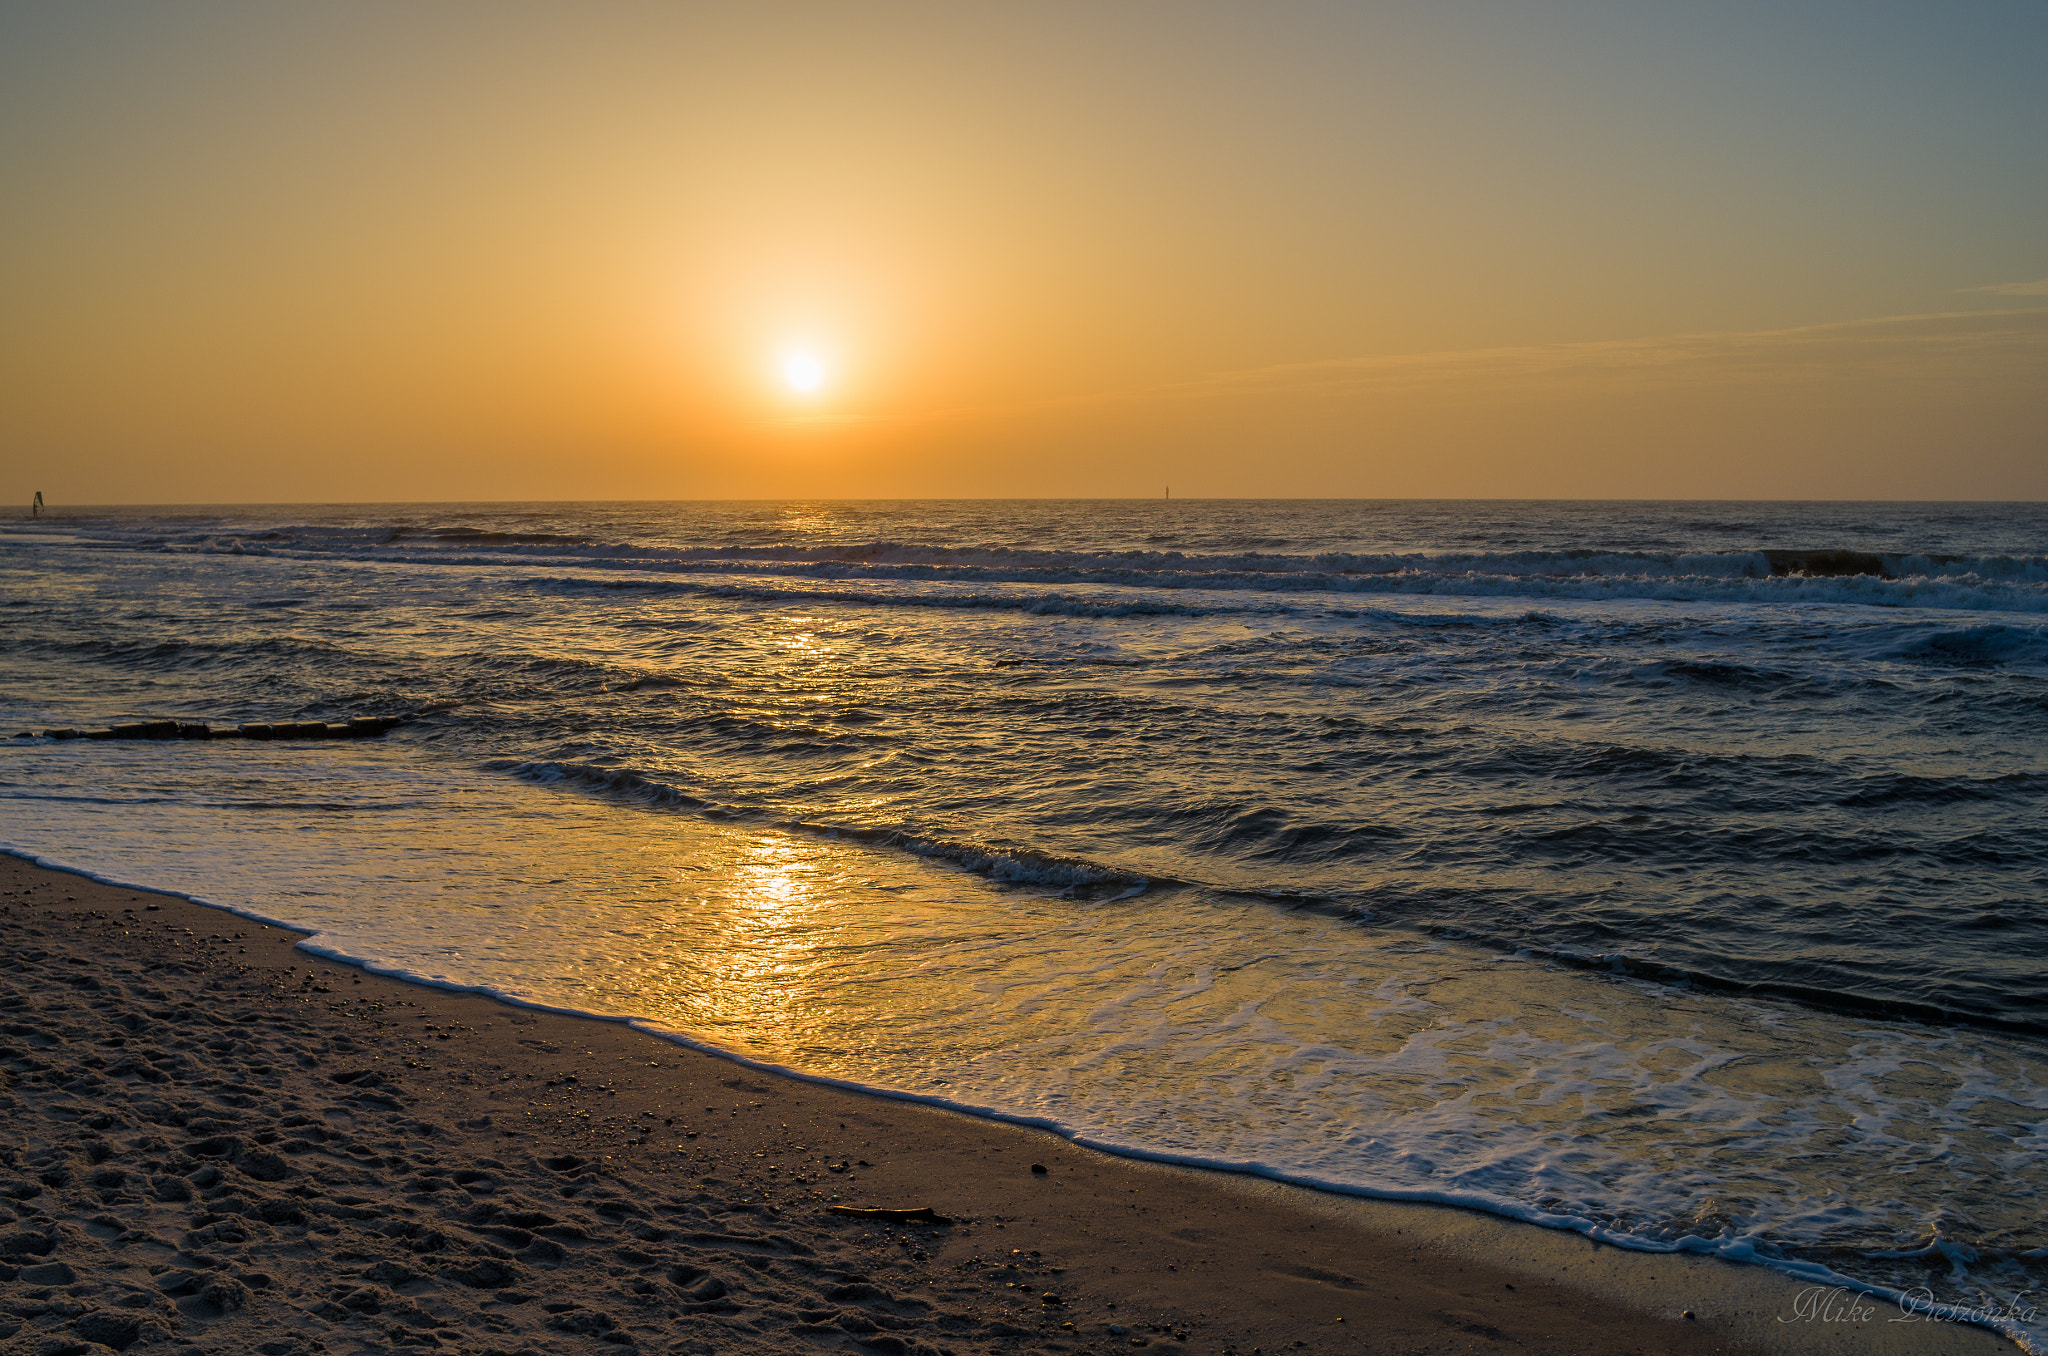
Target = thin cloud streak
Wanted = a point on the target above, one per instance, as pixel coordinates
(1988, 342)
(1973, 346)
(2037, 288)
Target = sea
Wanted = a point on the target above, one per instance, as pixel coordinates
(1625, 868)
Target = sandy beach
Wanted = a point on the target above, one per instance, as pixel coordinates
(217, 1143)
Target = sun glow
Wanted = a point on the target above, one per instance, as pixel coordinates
(803, 372)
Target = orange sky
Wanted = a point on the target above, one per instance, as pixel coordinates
(508, 252)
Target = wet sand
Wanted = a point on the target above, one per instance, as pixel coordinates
(216, 1143)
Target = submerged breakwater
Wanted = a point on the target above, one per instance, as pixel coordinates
(359, 727)
(1673, 873)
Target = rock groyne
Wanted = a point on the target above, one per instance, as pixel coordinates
(361, 727)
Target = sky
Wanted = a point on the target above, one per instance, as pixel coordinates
(298, 252)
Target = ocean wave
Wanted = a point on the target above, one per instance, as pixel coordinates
(1011, 865)
(1759, 563)
(768, 589)
(1118, 585)
(1490, 579)
(1997, 643)
(616, 783)
(1008, 864)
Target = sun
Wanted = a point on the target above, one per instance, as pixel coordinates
(803, 372)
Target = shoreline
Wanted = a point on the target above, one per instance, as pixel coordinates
(1179, 1258)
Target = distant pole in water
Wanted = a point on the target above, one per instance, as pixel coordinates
(35, 510)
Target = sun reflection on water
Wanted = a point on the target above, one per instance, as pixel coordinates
(770, 917)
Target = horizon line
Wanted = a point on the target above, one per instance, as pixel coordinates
(51, 511)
